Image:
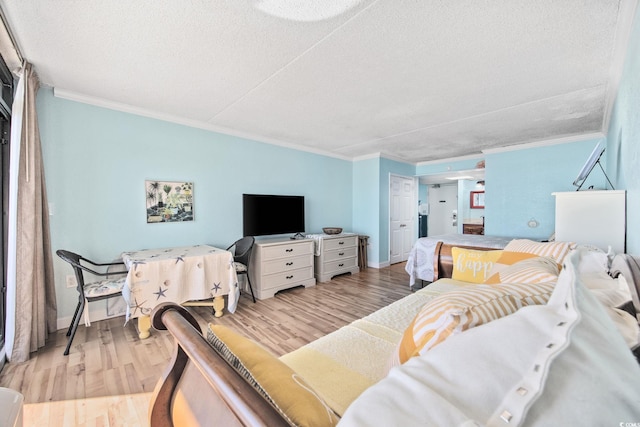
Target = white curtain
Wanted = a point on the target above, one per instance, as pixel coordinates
(31, 301)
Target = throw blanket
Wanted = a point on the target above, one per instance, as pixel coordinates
(341, 365)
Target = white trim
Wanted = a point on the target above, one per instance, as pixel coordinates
(96, 312)
(104, 103)
(545, 143)
(378, 264)
(367, 157)
(450, 159)
(624, 27)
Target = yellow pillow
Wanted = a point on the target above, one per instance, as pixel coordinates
(555, 250)
(536, 269)
(287, 392)
(471, 265)
(456, 311)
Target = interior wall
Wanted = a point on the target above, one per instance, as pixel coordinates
(623, 138)
(366, 199)
(518, 186)
(97, 160)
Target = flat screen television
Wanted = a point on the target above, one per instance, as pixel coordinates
(269, 214)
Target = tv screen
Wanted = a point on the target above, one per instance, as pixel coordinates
(267, 214)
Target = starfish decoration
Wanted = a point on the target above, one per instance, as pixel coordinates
(138, 306)
(178, 259)
(216, 287)
(160, 293)
(135, 264)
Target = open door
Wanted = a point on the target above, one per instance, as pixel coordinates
(443, 209)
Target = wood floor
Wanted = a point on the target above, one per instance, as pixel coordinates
(108, 359)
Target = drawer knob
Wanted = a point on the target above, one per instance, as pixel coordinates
(288, 250)
(340, 265)
(341, 243)
(289, 263)
(341, 253)
(289, 277)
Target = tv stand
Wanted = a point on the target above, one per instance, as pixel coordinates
(278, 264)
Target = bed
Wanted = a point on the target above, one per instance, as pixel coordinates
(421, 257)
(356, 375)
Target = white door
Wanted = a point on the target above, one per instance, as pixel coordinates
(402, 210)
(443, 209)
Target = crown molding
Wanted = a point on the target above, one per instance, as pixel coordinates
(125, 108)
(545, 143)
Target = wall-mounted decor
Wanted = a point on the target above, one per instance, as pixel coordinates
(477, 200)
(169, 201)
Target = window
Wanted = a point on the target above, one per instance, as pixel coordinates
(6, 100)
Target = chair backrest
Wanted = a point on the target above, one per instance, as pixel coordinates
(74, 260)
(243, 248)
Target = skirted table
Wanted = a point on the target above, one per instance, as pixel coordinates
(189, 275)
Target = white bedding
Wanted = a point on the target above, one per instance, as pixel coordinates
(420, 262)
(544, 365)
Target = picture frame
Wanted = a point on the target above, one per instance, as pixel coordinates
(169, 201)
(477, 200)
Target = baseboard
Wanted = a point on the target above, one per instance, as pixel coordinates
(98, 310)
(378, 264)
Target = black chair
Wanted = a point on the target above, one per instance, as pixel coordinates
(93, 291)
(241, 250)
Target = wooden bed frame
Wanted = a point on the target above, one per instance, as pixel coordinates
(200, 388)
(443, 259)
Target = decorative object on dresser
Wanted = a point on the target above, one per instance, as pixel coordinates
(332, 230)
(281, 263)
(335, 254)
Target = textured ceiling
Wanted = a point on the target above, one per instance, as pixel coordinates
(412, 80)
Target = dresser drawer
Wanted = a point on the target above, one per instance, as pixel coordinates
(287, 264)
(292, 277)
(342, 242)
(339, 266)
(340, 254)
(286, 251)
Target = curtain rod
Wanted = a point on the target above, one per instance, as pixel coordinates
(14, 43)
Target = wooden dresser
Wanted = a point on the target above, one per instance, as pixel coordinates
(278, 264)
(472, 229)
(338, 255)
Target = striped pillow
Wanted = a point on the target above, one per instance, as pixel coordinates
(536, 269)
(457, 311)
(284, 389)
(555, 250)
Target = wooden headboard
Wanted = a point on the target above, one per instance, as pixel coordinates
(443, 260)
(198, 387)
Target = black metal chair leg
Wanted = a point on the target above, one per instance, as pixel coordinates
(74, 326)
(250, 288)
(73, 319)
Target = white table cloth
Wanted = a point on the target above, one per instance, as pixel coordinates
(178, 275)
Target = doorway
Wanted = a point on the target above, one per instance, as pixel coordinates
(443, 209)
(402, 197)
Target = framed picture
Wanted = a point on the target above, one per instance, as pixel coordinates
(477, 200)
(169, 201)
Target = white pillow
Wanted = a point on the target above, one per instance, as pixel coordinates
(563, 363)
(626, 324)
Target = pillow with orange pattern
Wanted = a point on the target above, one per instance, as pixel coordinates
(456, 311)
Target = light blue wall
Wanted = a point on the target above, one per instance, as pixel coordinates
(371, 203)
(366, 199)
(623, 138)
(518, 186)
(97, 160)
